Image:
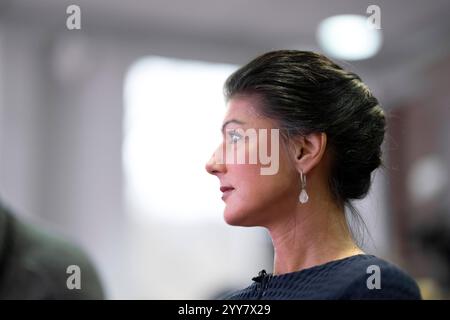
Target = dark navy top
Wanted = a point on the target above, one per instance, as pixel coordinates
(356, 277)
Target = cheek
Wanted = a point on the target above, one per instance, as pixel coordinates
(248, 178)
(253, 187)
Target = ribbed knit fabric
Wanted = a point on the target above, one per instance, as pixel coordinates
(346, 278)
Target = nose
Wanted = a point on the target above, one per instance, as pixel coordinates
(215, 167)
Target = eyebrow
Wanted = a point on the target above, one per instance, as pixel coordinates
(231, 121)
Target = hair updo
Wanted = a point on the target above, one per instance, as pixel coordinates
(305, 92)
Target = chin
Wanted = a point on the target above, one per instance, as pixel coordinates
(238, 218)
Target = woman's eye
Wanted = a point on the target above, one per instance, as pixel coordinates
(234, 136)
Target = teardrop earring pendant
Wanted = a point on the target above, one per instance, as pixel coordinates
(303, 198)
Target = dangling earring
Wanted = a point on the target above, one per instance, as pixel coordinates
(303, 195)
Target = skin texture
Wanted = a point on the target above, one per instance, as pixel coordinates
(303, 235)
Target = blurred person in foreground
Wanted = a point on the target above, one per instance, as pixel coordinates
(330, 130)
(34, 264)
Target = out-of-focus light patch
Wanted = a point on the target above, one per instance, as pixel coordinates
(349, 37)
(173, 112)
(427, 178)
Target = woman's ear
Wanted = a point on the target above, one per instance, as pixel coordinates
(309, 150)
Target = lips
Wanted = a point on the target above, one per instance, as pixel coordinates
(225, 188)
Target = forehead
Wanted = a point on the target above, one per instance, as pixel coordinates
(246, 109)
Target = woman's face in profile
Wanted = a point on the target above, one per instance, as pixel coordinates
(256, 197)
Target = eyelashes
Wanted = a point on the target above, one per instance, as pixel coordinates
(234, 136)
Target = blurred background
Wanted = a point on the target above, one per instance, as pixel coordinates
(105, 131)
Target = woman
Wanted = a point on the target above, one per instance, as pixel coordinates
(330, 129)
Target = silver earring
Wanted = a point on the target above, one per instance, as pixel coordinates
(303, 198)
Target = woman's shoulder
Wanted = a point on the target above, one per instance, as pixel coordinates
(360, 276)
(376, 278)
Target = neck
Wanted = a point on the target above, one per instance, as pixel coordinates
(313, 235)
